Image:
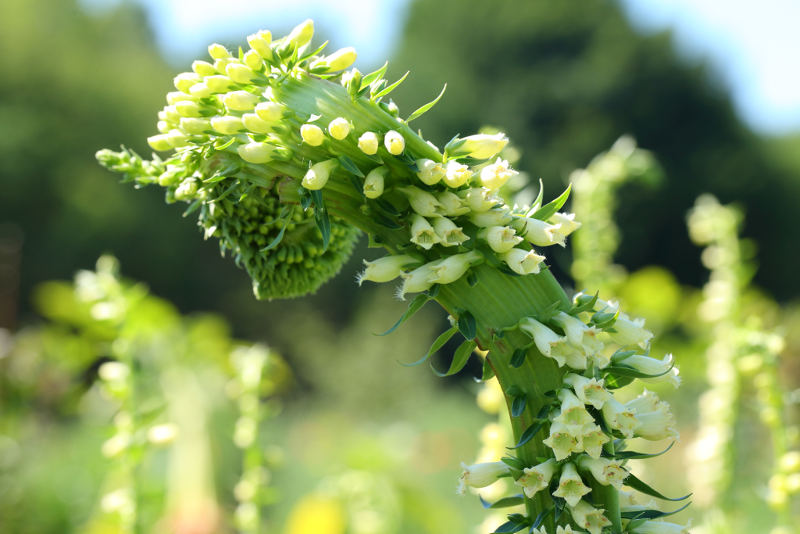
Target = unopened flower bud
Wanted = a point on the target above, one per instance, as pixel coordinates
(240, 100)
(478, 199)
(317, 176)
(269, 111)
(385, 269)
(394, 142)
(159, 142)
(259, 42)
(195, 125)
(456, 174)
(430, 172)
(452, 205)
(301, 34)
(312, 134)
(185, 80)
(240, 73)
(187, 189)
(422, 202)
(200, 90)
(217, 51)
(481, 475)
(339, 60)
(417, 280)
(374, 182)
(253, 60)
(541, 233)
(218, 83)
(256, 152)
(661, 527)
(646, 364)
(203, 68)
(256, 124)
(480, 146)
(227, 124)
(188, 108)
(453, 267)
(368, 143)
(339, 128)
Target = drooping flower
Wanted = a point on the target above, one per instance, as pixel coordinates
(494, 176)
(570, 486)
(603, 470)
(562, 441)
(536, 478)
(588, 390)
(481, 475)
(588, 517)
(522, 261)
(385, 269)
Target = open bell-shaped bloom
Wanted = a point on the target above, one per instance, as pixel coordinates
(481, 475)
(603, 470)
(535, 479)
(588, 390)
(570, 486)
(589, 518)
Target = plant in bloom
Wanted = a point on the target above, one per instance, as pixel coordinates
(298, 158)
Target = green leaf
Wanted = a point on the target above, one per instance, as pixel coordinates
(413, 307)
(538, 201)
(424, 109)
(472, 278)
(466, 325)
(651, 514)
(391, 88)
(321, 218)
(513, 462)
(372, 76)
(518, 358)
(509, 527)
(622, 370)
(529, 433)
(192, 208)
(460, 358)
(315, 52)
(286, 215)
(540, 518)
(357, 185)
(632, 455)
(505, 502)
(632, 482)
(350, 166)
(386, 206)
(547, 211)
(518, 405)
(616, 382)
(437, 344)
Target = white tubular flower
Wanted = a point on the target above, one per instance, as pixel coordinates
(672, 377)
(339, 128)
(201, 90)
(170, 114)
(535, 479)
(482, 146)
(422, 202)
(368, 143)
(270, 111)
(578, 334)
(159, 142)
(544, 338)
(564, 530)
(573, 412)
(385, 269)
(430, 172)
(203, 68)
(218, 51)
(456, 174)
(164, 126)
(562, 441)
(185, 80)
(260, 42)
(542, 233)
(339, 60)
(654, 416)
(312, 134)
(588, 390)
(501, 239)
(661, 527)
(240, 100)
(619, 417)
(422, 233)
(240, 73)
(452, 205)
(174, 97)
(449, 234)
(188, 108)
(630, 332)
(570, 356)
(589, 518)
(222, 63)
(259, 153)
(566, 222)
(593, 439)
(494, 176)
(177, 138)
(480, 475)
(605, 471)
(218, 83)
(195, 125)
(317, 176)
(301, 34)
(417, 280)
(570, 486)
(450, 269)
(256, 124)
(478, 199)
(494, 217)
(648, 365)
(227, 124)
(374, 182)
(394, 142)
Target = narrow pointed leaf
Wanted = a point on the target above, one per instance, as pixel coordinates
(321, 218)
(413, 307)
(460, 358)
(488, 372)
(391, 88)
(350, 166)
(633, 455)
(372, 76)
(505, 502)
(528, 434)
(509, 527)
(443, 338)
(651, 514)
(419, 112)
(518, 405)
(549, 209)
(467, 325)
(632, 482)
(518, 358)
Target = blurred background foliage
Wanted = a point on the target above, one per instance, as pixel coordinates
(563, 79)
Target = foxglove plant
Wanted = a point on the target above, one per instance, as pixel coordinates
(286, 156)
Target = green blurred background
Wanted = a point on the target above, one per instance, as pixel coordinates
(563, 79)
